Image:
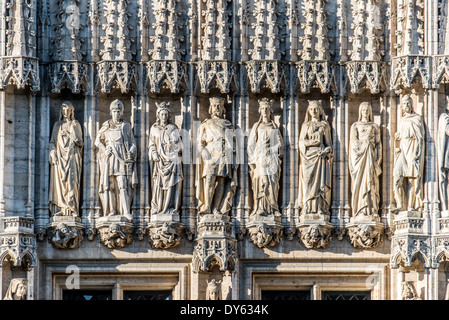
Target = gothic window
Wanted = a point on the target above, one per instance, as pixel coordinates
(87, 295)
(346, 295)
(286, 295)
(147, 295)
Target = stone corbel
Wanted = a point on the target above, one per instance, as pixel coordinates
(366, 235)
(65, 232)
(315, 231)
(366, 74)
(69, 74)
(115, 231)
(116, 74)
(316, 74)
(171, 74)
(19, 71)
(408, 69)
(217, 74)
(18, 241)
(271, 74)
(265, 231)
(165, 232)
(215, 245)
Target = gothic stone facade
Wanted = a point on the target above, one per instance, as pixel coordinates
(153, 54)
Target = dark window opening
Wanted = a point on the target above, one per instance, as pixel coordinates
(87, 295)
(346, 295)
(286, 295)
(147, 295)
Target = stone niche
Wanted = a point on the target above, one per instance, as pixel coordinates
(265, 230)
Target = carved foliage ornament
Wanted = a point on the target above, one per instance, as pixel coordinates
(365, 236)
(165, 235)
(116, 235)
(316, 74)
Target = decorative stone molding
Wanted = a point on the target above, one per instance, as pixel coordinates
(116, 74)
(366, 235)
(267, 74)
(116, 40)
(19, 71)
(18, 241)
(170, 74)
(407, 248)
(216, 30)
(440, 70)
(410, 27)
(165, 235)
(215, 244)
(217, 74)
(316, 74)
(65, 232)
(66, 45)
(167, 38)
(366, 74)
(69, 74)
(408, 69)
(20, 28)
(315, 236)
(115, 231)
(315, 42)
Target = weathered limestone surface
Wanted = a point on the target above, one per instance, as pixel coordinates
(195, 207)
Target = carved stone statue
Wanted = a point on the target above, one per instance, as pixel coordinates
(443, 160)
(265, 150)
(409, 162)
(17, 289)
(213, 290)
(216, 179)
(409, 291)
(66, 148)
(316, 155)
(117, 156)
(264, 235)
(365, 156)
(364, 236)
(165, 149)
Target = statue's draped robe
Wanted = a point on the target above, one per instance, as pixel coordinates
(120, 138)
(315, 171)
(411, 131)
(265, 148)
(365, 152)
(167, 174)
(65, 176)
(217, 158)
(443, 159)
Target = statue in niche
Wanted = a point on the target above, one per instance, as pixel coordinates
(443, 158)
(165, 149)
(17, 289)
(409, 161)
(265, 150)
(117, 156)
(216, 179)
(365, 157)
(316, 155)
(66, 148)
(409, 291)
(65, 237)
(213, 290)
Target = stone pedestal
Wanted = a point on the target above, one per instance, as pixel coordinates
(315, 230)
(115, 231)
(165, 231)
(65, 232)
(215, 245)
(265, 231)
